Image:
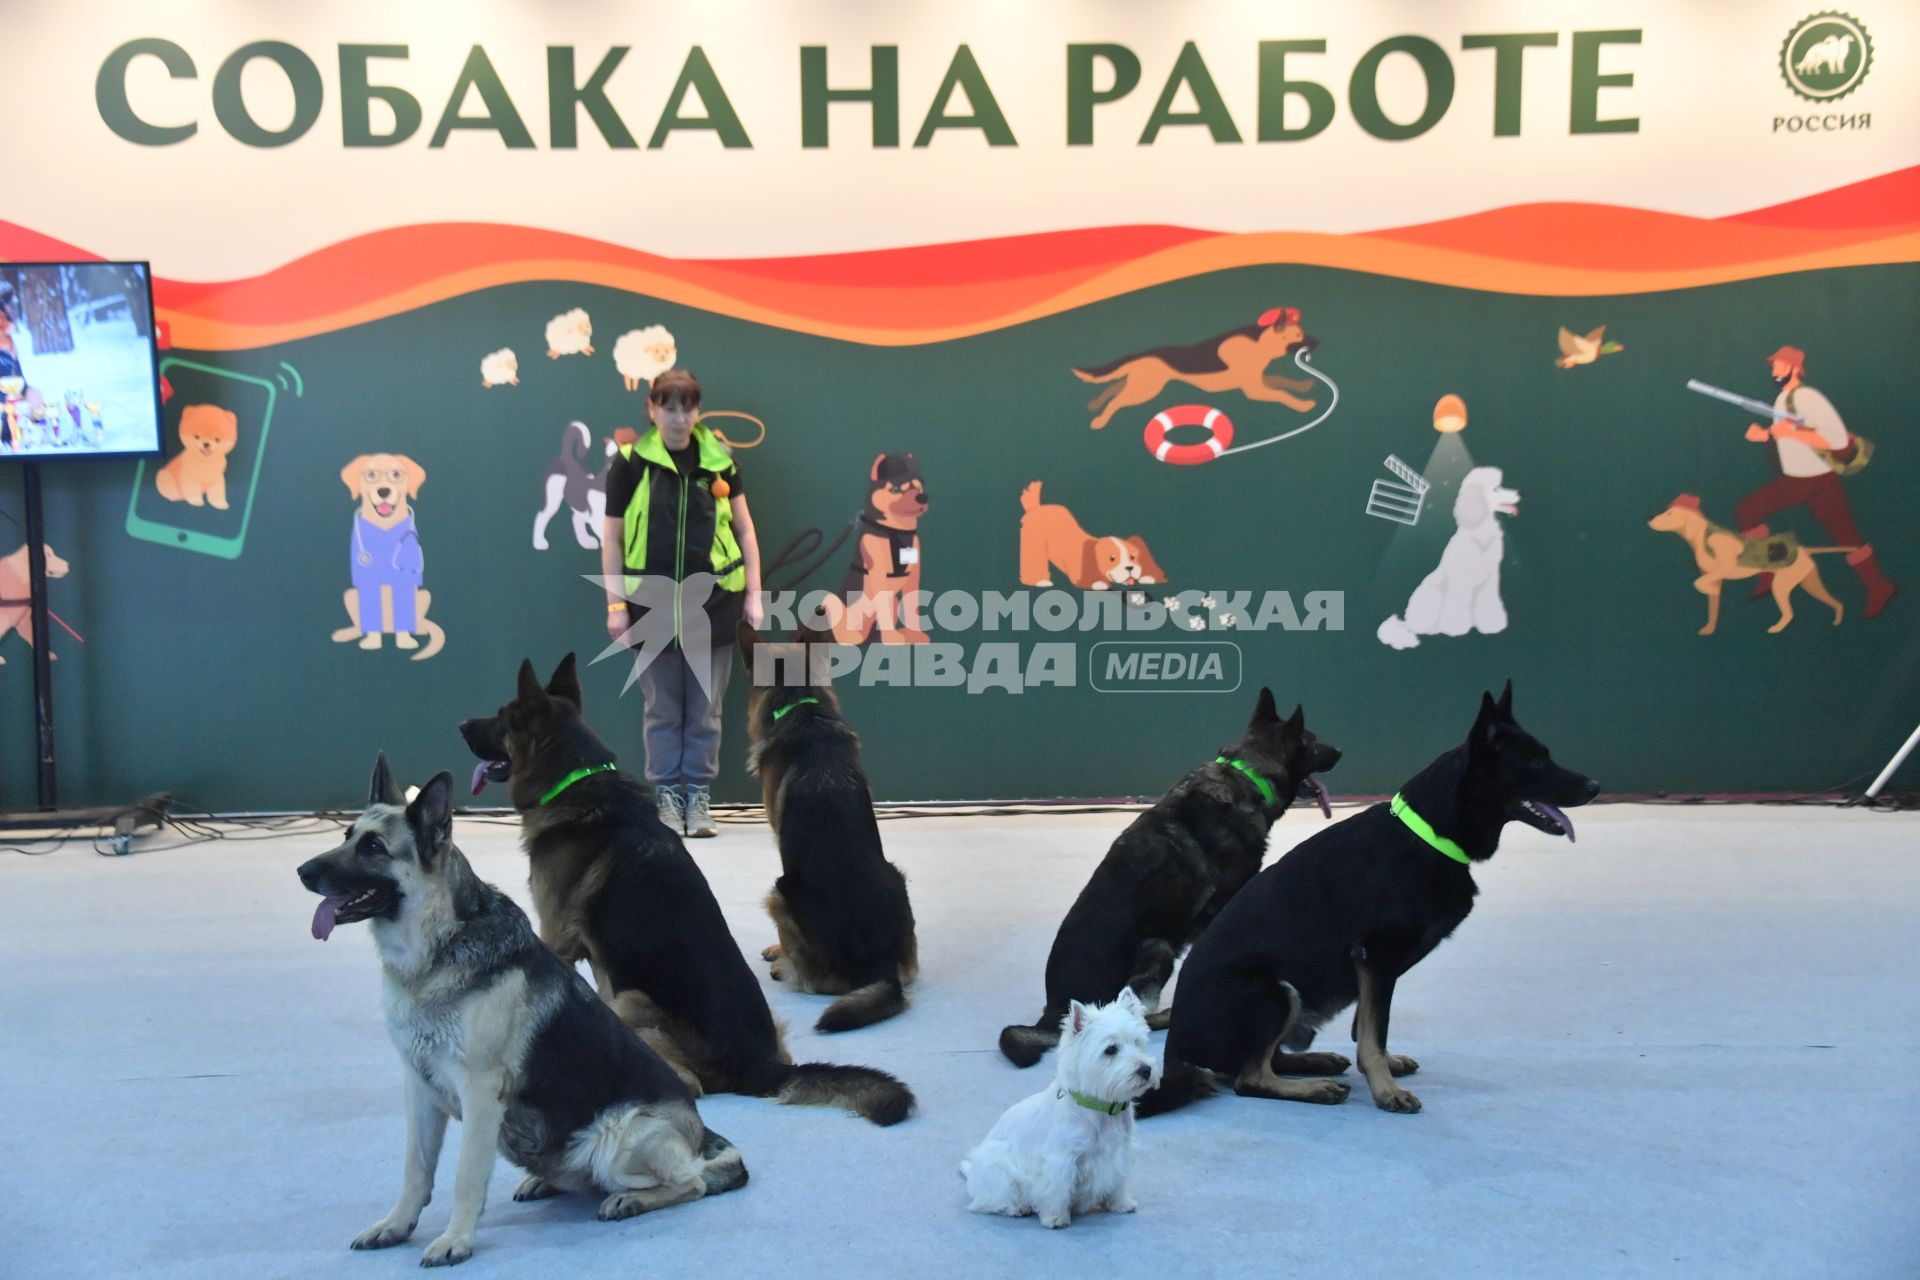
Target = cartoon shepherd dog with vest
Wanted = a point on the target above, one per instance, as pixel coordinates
(879, 591)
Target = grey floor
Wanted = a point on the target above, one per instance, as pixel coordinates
(1684, 1046)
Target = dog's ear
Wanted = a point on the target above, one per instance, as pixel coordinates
(1264, 712)
(431, 817)
(1473, 506)
(383, 789)
(350, 474)
(1145, 557)
(529, 689)
(566, 683)
(1505, 705)
(1130, 1002)
(874, 474)
(1077, 1017)
(415, 473)
(1484, 724)
(1296, 723)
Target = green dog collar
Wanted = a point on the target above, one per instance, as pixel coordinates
(1092, 1103)
(585, 772)
(1424, 829)
(1266, 788)
(791, 705)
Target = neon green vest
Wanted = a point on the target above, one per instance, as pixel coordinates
(724, 554)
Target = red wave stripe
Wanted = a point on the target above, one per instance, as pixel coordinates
(1890, 200)
(940, 292)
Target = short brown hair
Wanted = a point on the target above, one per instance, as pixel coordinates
(676, 387)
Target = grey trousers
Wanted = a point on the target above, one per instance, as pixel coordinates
(683, 722)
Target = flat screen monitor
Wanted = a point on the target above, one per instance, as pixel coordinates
(79, 368)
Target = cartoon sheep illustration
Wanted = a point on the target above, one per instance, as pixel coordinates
(500, 367)
(644, 354)
(570, 334)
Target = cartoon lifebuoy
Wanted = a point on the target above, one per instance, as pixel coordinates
(1219, 434)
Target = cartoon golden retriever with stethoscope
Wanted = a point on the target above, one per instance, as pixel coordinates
(386, 564)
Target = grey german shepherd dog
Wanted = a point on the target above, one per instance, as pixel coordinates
(495, 1031)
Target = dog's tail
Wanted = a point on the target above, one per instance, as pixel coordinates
(1025, 1046)
(864, 1006)
(436, 638)
(1181, 1084)
(1104, 372)
(577, 441)
(862, 1090)
(1030, 496)
(725, 1170)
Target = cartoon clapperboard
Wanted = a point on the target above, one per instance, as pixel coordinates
(1400, 501)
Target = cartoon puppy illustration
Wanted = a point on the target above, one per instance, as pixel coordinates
(1051, 538)
(885, 573)
(385, 557)
(197, 475)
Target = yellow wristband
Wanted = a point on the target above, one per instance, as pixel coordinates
(617, 606)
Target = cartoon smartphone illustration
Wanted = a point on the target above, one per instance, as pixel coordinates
(199, 497)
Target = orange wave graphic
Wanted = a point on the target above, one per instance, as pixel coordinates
(904, 297)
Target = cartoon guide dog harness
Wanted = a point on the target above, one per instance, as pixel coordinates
(1218, 426)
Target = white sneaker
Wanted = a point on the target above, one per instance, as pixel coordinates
(673, 810)
(699, 813)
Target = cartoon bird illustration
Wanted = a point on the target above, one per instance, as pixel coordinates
(1575, 349)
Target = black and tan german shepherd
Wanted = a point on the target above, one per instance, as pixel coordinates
(839, 907)
(614, 886)
(1171, 872)
(1344, 914)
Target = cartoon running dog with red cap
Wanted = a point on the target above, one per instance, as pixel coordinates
(1236, 360)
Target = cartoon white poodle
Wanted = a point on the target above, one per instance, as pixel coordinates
(1463, 593)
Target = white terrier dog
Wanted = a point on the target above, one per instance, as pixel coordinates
(1066, 1149)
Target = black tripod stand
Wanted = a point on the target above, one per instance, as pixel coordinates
(125, 820)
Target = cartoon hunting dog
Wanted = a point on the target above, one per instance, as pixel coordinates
(385, 559)
(885, 573)
(1814, 450)
(1722, 556)
(1236, 360)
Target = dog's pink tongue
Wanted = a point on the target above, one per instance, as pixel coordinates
(1565, 822)
(323, 916)
(1320, 794)
(480, 776)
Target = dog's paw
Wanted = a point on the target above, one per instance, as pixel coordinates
(777, 973)
(383, 1234)
(449, 1250)
(1311, 1064)
(1126, 1204)
(1400, 1064)
(1327, 1092)
(1054, 1222)
(535, 1187)
(773, 952)
(623, 1204)
(1398, 1100)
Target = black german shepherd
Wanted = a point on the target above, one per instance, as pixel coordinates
(614, 886)
(1344, 914)
(1171, 871)
(839, 907)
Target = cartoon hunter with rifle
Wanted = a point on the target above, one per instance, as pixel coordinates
(1815, 449)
